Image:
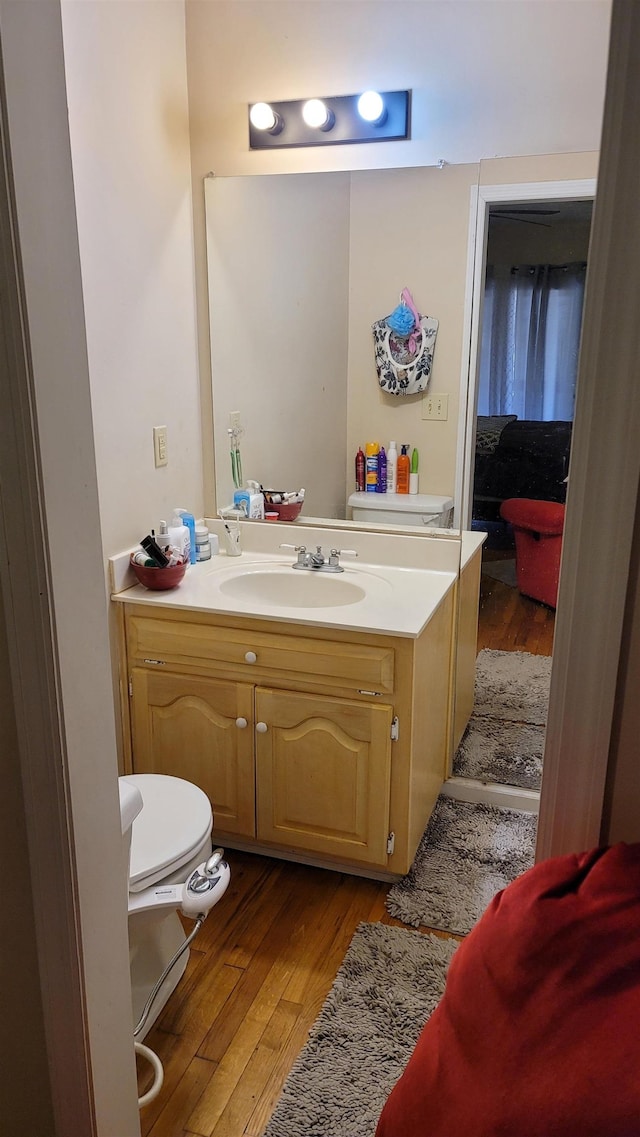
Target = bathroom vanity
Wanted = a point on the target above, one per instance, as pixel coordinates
(318, 733)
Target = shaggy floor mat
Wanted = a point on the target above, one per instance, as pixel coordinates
(468, 853)
(512, 685)
(498, 750)
(389, 983)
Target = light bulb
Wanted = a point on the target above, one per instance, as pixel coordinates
(371, 107)
(262, 116)
(317, 114)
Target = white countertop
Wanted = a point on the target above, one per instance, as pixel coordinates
(398, 601)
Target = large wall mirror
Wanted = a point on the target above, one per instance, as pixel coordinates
(300, 266)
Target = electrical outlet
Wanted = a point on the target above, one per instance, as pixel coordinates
(234, 420)
(160, 452)
(435, 406)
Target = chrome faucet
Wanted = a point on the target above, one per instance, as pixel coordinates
(317, 561)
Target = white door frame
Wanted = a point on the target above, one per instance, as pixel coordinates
(482, 198)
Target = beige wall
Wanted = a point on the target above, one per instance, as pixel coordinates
(128, 118)
(472, 65)
(278, 255)
(409, 227)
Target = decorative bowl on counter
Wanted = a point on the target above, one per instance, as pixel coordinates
(159, 579)
(286, 511)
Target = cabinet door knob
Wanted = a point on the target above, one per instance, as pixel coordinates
(241, 723)
(250, 657)
(261, 727)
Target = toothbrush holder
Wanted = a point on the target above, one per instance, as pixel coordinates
(231, 525)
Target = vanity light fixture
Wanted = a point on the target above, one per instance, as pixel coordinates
(317, 114)
(371, 108)
(263, 117)
(373, 116)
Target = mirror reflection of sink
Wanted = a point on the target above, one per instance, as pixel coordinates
(287, 588)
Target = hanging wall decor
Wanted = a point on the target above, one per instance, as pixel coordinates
(404, 343)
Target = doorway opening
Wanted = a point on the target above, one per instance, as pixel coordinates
(528, 289)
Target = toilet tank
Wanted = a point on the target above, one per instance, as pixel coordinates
(130, 806)
(420, 509)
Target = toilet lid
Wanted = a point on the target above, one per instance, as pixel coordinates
(175, 820)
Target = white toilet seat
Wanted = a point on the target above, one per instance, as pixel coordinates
(175, 821)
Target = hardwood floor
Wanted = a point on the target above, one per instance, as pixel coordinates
(256, 980)
(511, 622)
(267, 956)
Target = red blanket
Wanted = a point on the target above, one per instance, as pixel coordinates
(538, 1031)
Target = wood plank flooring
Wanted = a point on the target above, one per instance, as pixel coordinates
(265, 960)
(511, 622)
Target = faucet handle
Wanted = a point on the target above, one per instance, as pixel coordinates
(296, 548)
(343, 553)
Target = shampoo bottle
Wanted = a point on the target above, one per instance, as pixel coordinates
(360, 470)
(392, 468)
(371, 465)
(381, 486)
(403, 471)
(179, 537)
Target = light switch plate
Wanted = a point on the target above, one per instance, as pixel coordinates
(160, 451)
(435, 406)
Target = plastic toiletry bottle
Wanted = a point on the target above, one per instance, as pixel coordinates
(413, 476)
(403, 472)
(360, 470)
(381, 487)
(392, 468)
(189, 520)
(256, 501)
(371, 466)
(162, 537)
(141, 558)
(179, 537)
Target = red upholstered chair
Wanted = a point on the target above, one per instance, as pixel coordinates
(537, 528)
(537, 1033)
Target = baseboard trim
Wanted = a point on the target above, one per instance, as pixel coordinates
(489, 793)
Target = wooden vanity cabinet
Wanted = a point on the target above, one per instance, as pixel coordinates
(318, 742)
(198, 728)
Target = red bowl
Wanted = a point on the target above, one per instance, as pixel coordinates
(287, 511)
(159, 579)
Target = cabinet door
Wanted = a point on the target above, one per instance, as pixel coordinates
(323, 774)
(191, 727)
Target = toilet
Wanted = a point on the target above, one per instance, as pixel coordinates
(402, 509)
(166, 829)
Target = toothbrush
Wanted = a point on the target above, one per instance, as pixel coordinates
(236, 461)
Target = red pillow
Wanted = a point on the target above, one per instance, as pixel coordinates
(538, 1031)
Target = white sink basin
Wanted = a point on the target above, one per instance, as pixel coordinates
(290, 588)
